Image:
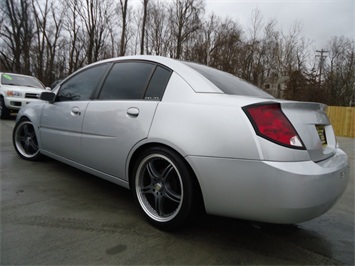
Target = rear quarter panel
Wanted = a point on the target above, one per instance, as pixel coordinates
(202, 124)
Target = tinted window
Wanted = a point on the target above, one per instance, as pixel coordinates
(229, 83)
(158, 84)
(127, 81)
(81, 86)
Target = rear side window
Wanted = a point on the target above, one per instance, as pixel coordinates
(126, 81)
(158, 84)
(229, 83)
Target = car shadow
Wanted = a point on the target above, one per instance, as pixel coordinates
(280, 242)
(284, 243)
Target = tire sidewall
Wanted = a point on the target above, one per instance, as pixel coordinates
(4, 112)
(187, 185)
(17, 127)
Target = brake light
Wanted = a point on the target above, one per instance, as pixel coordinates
(270, 122)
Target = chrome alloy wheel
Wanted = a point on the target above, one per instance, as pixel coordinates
(159, 187)
(25, 140)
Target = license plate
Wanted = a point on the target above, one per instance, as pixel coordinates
(321, 134)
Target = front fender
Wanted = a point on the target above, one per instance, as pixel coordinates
(33, 112)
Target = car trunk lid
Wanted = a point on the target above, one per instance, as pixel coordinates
(313, 126)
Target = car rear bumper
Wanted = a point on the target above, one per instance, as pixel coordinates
(276, 192)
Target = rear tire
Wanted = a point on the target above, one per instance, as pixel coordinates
(25, 140)
(162, 186)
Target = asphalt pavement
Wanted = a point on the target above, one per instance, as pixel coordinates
(53, 214)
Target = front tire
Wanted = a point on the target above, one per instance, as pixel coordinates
(4, 111)
(25, 140)
(162, 185)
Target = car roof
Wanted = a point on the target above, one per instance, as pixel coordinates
(197, 81)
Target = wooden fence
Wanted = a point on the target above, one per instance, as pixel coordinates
(343, 120)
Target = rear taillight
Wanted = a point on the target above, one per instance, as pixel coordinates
(270, 122)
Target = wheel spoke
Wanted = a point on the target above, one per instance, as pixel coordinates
(25, 141)
(21, 139)
(26, 131)
(26, 147)
(159, 187)
(172, 195)
(153, 173)
(32, 135)
(159, 202)
(33, 145)
(167, 170)
(147, 189)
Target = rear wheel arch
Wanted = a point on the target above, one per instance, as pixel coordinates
(146, 146)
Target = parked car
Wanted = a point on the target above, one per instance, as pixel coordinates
(17, 91)
(179, 134)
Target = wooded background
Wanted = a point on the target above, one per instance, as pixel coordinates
(50, 39)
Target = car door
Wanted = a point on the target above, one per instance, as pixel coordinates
(122, 114)
(61, 121)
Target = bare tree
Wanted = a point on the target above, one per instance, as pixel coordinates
(49, 21)
(144, 21)
(52, 41)
(291, 46)
(17, 34)
(270, 49)
(123, 4)
(40, 17)
(158, 30)
(75, 43)
(340, 73)
(185, 19)
(54, 37)
(95, 15)
(252, 49)
(205, 41)
(224, 52)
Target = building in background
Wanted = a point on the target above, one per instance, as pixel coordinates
(276, 85)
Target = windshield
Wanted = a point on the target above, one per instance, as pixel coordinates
(19, 80)
(229, 83)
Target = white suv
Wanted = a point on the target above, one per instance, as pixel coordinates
(16, 91)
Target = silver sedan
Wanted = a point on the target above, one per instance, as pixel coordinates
(182, 135)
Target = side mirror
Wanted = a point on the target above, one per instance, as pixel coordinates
(48, 96)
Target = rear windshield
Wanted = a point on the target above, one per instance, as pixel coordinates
(229, 83)
(18, 80)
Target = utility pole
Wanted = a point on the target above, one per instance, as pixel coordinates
(322, 58)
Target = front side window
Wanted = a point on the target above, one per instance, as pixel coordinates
(127, 81)
(81, 86)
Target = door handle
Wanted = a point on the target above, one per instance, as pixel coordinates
(75, 111)
(133, 111)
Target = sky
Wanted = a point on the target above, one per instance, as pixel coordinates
(320, 19)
